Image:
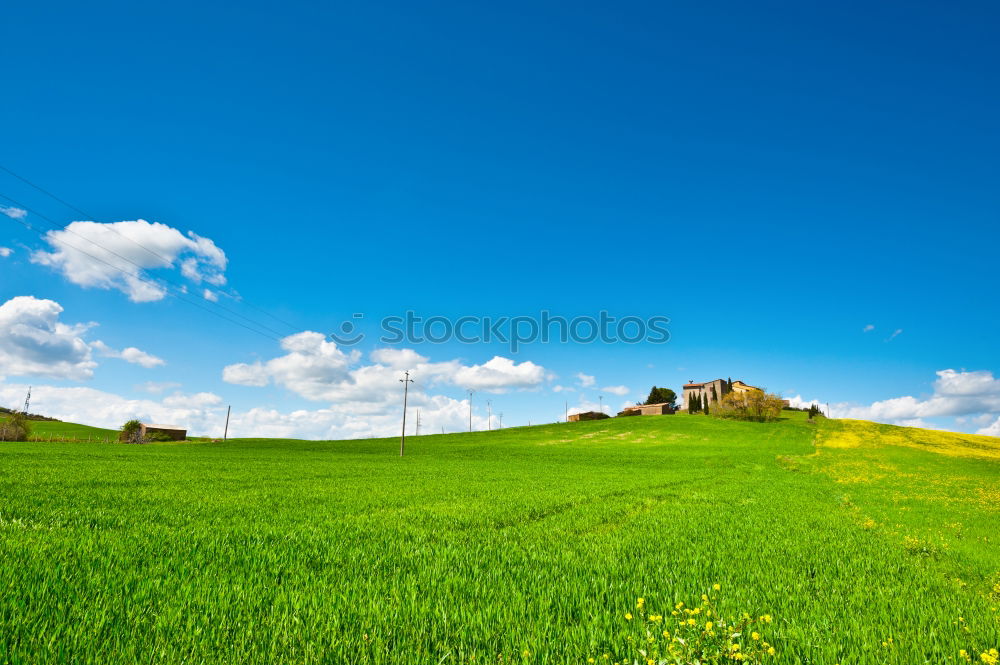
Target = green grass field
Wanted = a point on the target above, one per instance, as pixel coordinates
(863, 543)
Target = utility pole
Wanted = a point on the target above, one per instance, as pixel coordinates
(417, 433)
(406, 381)
(27, 400)
(500, 416)
(601, 399)
(225, 433)
(470, 409)
(489, 416)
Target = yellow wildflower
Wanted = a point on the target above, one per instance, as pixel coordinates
(755, 635)
(639, 602)
(628, 616)
(716, 587)
(709, 625)
(770, 651)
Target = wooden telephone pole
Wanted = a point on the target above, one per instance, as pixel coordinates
(406, 381)
(225, 432)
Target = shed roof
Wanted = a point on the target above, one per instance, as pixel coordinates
(177, 427)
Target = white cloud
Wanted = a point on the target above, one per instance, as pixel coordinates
(117, 246)
(398, 358)
(616, 390)
(12, 212)
(896, 333)
(34, 342)
(157, 387)
(868, 328)
(991, 430)
(500, 374)
(975, 395)
(318, 370)
(243, 374)
(799, 403)
(5, 252)
(586, 380)
(129, 354)
(210, 295)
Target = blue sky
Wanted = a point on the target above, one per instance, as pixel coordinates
(773, 177)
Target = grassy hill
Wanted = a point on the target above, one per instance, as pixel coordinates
(861, 543)
(55, 430)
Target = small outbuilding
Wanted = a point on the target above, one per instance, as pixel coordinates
(588, 415)
(660, 409)
(169, 432)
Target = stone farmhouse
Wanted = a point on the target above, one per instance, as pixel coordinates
(712, 391)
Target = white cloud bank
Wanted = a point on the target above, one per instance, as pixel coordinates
(968, 396)
(318, 370)
(105, 256)
(5, 252)
(34, 342)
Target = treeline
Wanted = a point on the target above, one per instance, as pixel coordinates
(28, 416)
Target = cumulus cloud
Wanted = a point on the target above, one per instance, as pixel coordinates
(105, 256)
(499, 374)
(616, 390)
(5, 252)
(586, 380)
(129, 354)
(12, 212)
(318, 370)
(157, 387)
(973, 395)
(33, 341)
(210, 295)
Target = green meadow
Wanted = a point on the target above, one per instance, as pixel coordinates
(861, 544)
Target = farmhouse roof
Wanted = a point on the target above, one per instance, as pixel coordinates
(163, 426)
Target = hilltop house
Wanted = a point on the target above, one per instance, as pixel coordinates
(712, 391)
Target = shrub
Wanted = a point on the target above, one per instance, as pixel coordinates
(15, 428)
(132, 432)
(753, 405)
(158, 436)
(629, 412)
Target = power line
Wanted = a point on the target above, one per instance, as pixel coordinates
(139, 276)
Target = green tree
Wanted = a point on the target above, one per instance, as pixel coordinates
(661, 396)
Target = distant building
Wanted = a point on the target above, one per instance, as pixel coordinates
(588, 415)
(651, 409)
(174, 432)
(712, 391)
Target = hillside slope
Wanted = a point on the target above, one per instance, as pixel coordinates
(524, 545)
